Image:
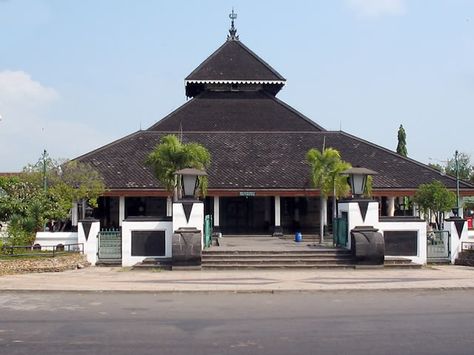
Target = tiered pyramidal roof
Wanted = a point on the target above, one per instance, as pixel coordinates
(234, 90)
(257, 142)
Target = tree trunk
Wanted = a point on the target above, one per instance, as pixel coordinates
(321, 218)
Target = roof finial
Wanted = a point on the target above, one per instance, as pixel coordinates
(232, 30)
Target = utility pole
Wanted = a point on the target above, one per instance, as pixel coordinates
(457, 180)
(45, 181)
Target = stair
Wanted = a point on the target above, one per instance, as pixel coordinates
(153, 264)
(397, 263)
(301, 259)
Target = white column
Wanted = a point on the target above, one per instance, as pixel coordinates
(74, 214)
(169, 206)
(325, 211)
(277, 211)
(121, 209)
(216, 211)
(391, 206)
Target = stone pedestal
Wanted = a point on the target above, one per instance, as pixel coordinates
(186, 248)
(368, 247)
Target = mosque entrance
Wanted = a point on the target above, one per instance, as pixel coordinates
(247, 215)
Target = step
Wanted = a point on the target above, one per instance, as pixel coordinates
(278, 255)
(276, 266)
(153, 264)
(275, 261)
(278, 252)
(402, 266)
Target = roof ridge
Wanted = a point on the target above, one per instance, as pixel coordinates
(240, 132)
(411, 160)
(206, 60)
(108, 145)
(173, 112)
(269, 67)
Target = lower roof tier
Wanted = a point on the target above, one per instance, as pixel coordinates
(260, 160)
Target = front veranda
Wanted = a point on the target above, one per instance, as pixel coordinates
(237, 215)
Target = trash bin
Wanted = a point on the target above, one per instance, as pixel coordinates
(298, 237)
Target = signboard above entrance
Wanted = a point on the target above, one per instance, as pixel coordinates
(247, 193)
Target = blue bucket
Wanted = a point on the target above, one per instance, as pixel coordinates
(298, 237)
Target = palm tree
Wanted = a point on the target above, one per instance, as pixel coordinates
(326, 166)
(338, 185)
(171, 155)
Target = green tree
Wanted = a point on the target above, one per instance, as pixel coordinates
(464, 164)
(434, 198)
(402, 142)
(437, 166)
(171, 155)
(27, 205)
(325, 169)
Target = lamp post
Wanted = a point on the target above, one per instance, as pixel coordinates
(367, 244)
(187, 241)
(45, 180)
(358, 179)
(456, 160)
(189, 181)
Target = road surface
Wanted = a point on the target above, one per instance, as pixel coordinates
(358, 322)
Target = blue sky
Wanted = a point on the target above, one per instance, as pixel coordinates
(76, 75)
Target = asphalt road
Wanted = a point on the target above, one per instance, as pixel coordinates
(363, 322)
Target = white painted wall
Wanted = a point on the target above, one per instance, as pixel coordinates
(129, 226)
(418, 226)
(55, 238)
(90, 245)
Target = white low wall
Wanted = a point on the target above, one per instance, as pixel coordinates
(419, 226)
(129, 226)
(55, 238)
(355, 218)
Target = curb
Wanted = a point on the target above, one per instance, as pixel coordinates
(248, 291)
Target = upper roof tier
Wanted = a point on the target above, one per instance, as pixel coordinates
(233, 63)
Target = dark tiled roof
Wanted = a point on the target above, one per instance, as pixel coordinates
(260, 160)
(234, 61)
(235, 111)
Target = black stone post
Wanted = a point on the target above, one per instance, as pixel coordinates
(186, 248)
(367, 245)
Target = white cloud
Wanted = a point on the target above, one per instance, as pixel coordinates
(375, 8)
(26, 125)
(17, 86)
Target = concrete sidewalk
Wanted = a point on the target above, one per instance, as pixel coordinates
(104, 279)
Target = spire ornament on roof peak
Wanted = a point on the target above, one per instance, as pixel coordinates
(232, 36)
